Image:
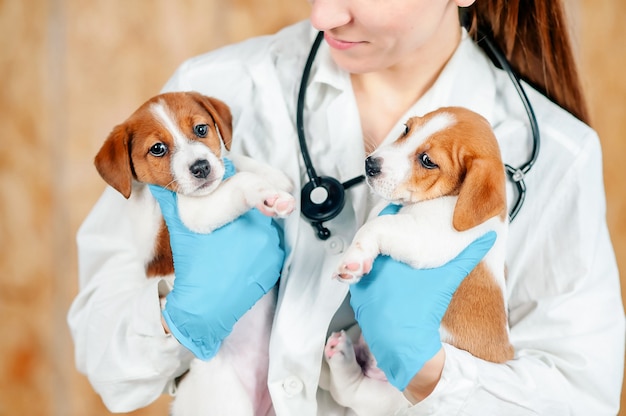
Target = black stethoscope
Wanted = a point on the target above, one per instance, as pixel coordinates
(323, 197)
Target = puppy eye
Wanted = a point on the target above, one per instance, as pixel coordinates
(158, 149)
(427, 162)
(406, 130)
(201, 130)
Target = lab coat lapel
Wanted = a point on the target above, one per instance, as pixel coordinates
(281, 131)
(282, 134)
(467, 80)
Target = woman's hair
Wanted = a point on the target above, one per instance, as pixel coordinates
(534, 36)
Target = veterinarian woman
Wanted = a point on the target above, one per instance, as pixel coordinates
(380, 62)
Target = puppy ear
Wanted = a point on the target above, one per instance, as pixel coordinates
(222, 116)
(113, 160)
(482, 194)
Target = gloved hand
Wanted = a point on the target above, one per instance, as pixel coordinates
(219, 276)
(399, 309)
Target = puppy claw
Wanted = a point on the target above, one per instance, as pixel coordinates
(348, 277)
(336, 345)
(352, 272)
(265, 210)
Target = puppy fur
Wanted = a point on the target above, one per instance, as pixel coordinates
(446, 172)
(176, 140)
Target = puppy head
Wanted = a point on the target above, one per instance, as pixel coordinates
(172, 140)
(451, 151)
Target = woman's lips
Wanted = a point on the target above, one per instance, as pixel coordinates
(339, 44)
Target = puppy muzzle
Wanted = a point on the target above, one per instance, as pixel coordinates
(373, 166)
(200, 169)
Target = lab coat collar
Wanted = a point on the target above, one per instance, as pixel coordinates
(467, 80)
(325, 70)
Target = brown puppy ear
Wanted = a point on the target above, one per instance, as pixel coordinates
(482, 194)
(113, 160)
(221, 114)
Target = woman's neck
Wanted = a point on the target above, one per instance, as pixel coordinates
(386, 95)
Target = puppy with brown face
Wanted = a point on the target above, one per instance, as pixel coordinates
(176, 141)
(172, 140)
(446, 172)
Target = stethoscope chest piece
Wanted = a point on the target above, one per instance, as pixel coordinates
(322, 199)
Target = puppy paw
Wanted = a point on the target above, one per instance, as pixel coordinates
(354, 265)
(280, 205)
(338, 348)
(284, 204)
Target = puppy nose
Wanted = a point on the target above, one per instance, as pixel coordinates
(372, 166)
(200, 169)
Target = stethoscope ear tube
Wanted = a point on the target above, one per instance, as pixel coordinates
(300, 110)
(516, 175)
(323, 197)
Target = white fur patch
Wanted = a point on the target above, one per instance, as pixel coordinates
(186, 152)
(397, 157)
(162, 114)
(436, 124)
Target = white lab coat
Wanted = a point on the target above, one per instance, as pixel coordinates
(565, 309)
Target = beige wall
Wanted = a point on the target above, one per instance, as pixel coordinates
(71, 71)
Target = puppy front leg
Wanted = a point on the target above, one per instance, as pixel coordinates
(232, 198)
(275, 177)
(366, 246)
(415, 238)
(275, 188)
(258, 192)
(419, 243)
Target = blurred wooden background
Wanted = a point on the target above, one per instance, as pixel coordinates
(74, 69)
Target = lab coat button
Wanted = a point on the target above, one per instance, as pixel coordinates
(292, 385)
(334, 245)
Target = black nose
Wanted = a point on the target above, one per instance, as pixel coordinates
(372, 166)
(200, 169)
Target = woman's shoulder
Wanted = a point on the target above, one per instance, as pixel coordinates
(557, 122)
(559, 129)
(566, 145)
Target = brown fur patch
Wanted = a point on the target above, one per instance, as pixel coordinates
(162, 264)
(477, 308)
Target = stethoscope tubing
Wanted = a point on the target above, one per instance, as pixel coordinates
(310, 170)
(516, 175)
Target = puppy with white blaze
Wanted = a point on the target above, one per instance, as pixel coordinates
(176, 141)
(446, 172)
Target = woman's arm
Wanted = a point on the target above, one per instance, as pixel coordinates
(566, 314)
(115, 320)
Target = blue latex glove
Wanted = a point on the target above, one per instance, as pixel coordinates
(219, 276)
(399, 309)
